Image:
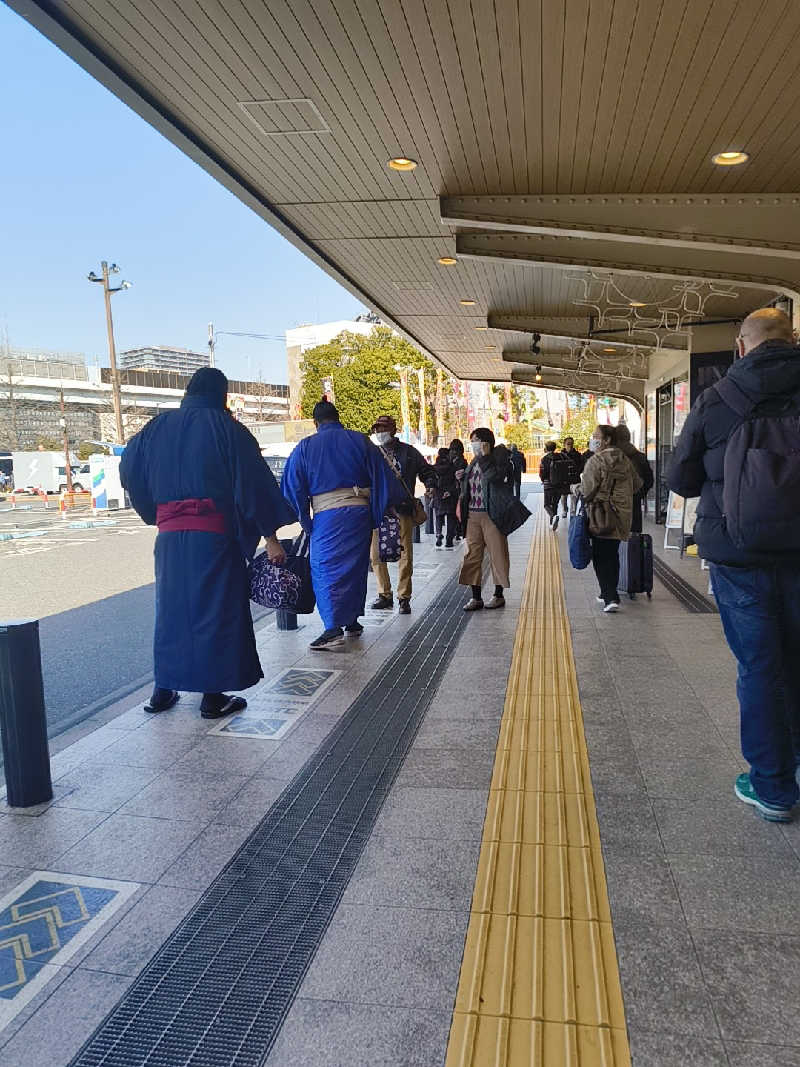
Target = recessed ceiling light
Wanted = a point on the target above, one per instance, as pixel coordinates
(729, 159)
(609, 350)
(637, 304)
(447, 261)
(402, 163)
(490, 347)
(467, 303)
(481, 327)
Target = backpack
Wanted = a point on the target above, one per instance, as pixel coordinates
(761, 490)
(559, 470)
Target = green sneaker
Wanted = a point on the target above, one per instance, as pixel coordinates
(771, 812)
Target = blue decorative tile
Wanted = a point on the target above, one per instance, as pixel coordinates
(44, 920)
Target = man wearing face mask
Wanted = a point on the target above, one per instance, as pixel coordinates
(408, 464)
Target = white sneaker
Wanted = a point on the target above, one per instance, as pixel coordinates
(609, 609)
(599, 600)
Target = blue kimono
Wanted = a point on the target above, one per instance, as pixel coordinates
(336, 458)
(204, 640)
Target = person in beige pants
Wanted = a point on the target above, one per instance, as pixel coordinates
(408, 465)
(490, 466)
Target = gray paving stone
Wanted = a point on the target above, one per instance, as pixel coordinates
(11, 876)
(607, 740)
(319, 1033)
(753, 979)
(676, 1050)
(641, 885)
(457, 814)
(690, 778)
(99, 786)
(288, 759)
(737, 892)
(457, 733)
(698, 740)
(186, 795)
(136, 937)
(617, 774)
(718, 827)
(397, 957)
(130, 847)
(602, 708)
(661, 978)
(454, 703)
(748, 1054)
(627, 821)
(149, 748)
(224, 756)
(252, 802)
(54, 1033)
(202, 861)
(415, 872)
(38, 841)
(457, 768)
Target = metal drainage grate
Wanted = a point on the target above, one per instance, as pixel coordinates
(219, 988)
(686, 594)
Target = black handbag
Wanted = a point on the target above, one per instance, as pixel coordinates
(298, 562)
(505, 510)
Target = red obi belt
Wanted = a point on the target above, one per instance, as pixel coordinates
(191, 515)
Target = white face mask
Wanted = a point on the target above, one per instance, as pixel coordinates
(476, 447)
(594, 444)
(382, 438)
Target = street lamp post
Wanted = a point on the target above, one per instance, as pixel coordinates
(112, 353)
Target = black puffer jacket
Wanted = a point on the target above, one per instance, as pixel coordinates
(770, 371)
(447, 491)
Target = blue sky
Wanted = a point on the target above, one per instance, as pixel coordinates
(84, 179)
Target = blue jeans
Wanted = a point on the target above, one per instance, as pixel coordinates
(760, 610)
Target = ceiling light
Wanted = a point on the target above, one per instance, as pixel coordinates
(637, 304)
(402, 163)
(481, 327)
(447, 261)
(609, 350)
(539, 373)
(729, 159)
(467, 303)
(490, 347)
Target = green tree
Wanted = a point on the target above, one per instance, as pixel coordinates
(519, 434)
(365, 378)
(87, 448)
(580, 426)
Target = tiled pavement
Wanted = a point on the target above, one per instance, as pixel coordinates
(701, 891)
(158, 804)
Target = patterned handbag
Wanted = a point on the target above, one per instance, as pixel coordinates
(272, 586)
(390, 542)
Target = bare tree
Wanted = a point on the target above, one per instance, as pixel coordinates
(9, 430)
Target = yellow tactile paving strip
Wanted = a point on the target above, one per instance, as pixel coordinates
(539, 982)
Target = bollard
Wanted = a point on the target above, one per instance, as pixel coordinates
(23, 725)
(287, 620)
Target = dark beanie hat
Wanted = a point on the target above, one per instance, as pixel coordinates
(210, 382)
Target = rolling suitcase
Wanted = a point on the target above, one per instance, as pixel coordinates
(636, 565)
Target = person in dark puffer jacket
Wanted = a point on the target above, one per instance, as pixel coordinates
(758, 594)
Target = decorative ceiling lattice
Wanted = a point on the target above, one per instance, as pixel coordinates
(666, 322)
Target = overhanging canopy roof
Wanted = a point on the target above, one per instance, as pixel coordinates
(563, 149)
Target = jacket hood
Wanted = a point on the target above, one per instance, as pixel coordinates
(771, 369)
(613, 460)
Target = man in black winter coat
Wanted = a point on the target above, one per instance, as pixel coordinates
(554, 474)
(519, 466)
(408, 464)
(758, 593)
(622, 439)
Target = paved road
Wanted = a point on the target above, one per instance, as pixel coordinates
(92, 590)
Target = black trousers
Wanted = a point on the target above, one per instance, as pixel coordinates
(552, 495)
(605, 558)
(451, 525)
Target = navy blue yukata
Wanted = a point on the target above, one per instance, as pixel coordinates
(204, 640)
(336, 458)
